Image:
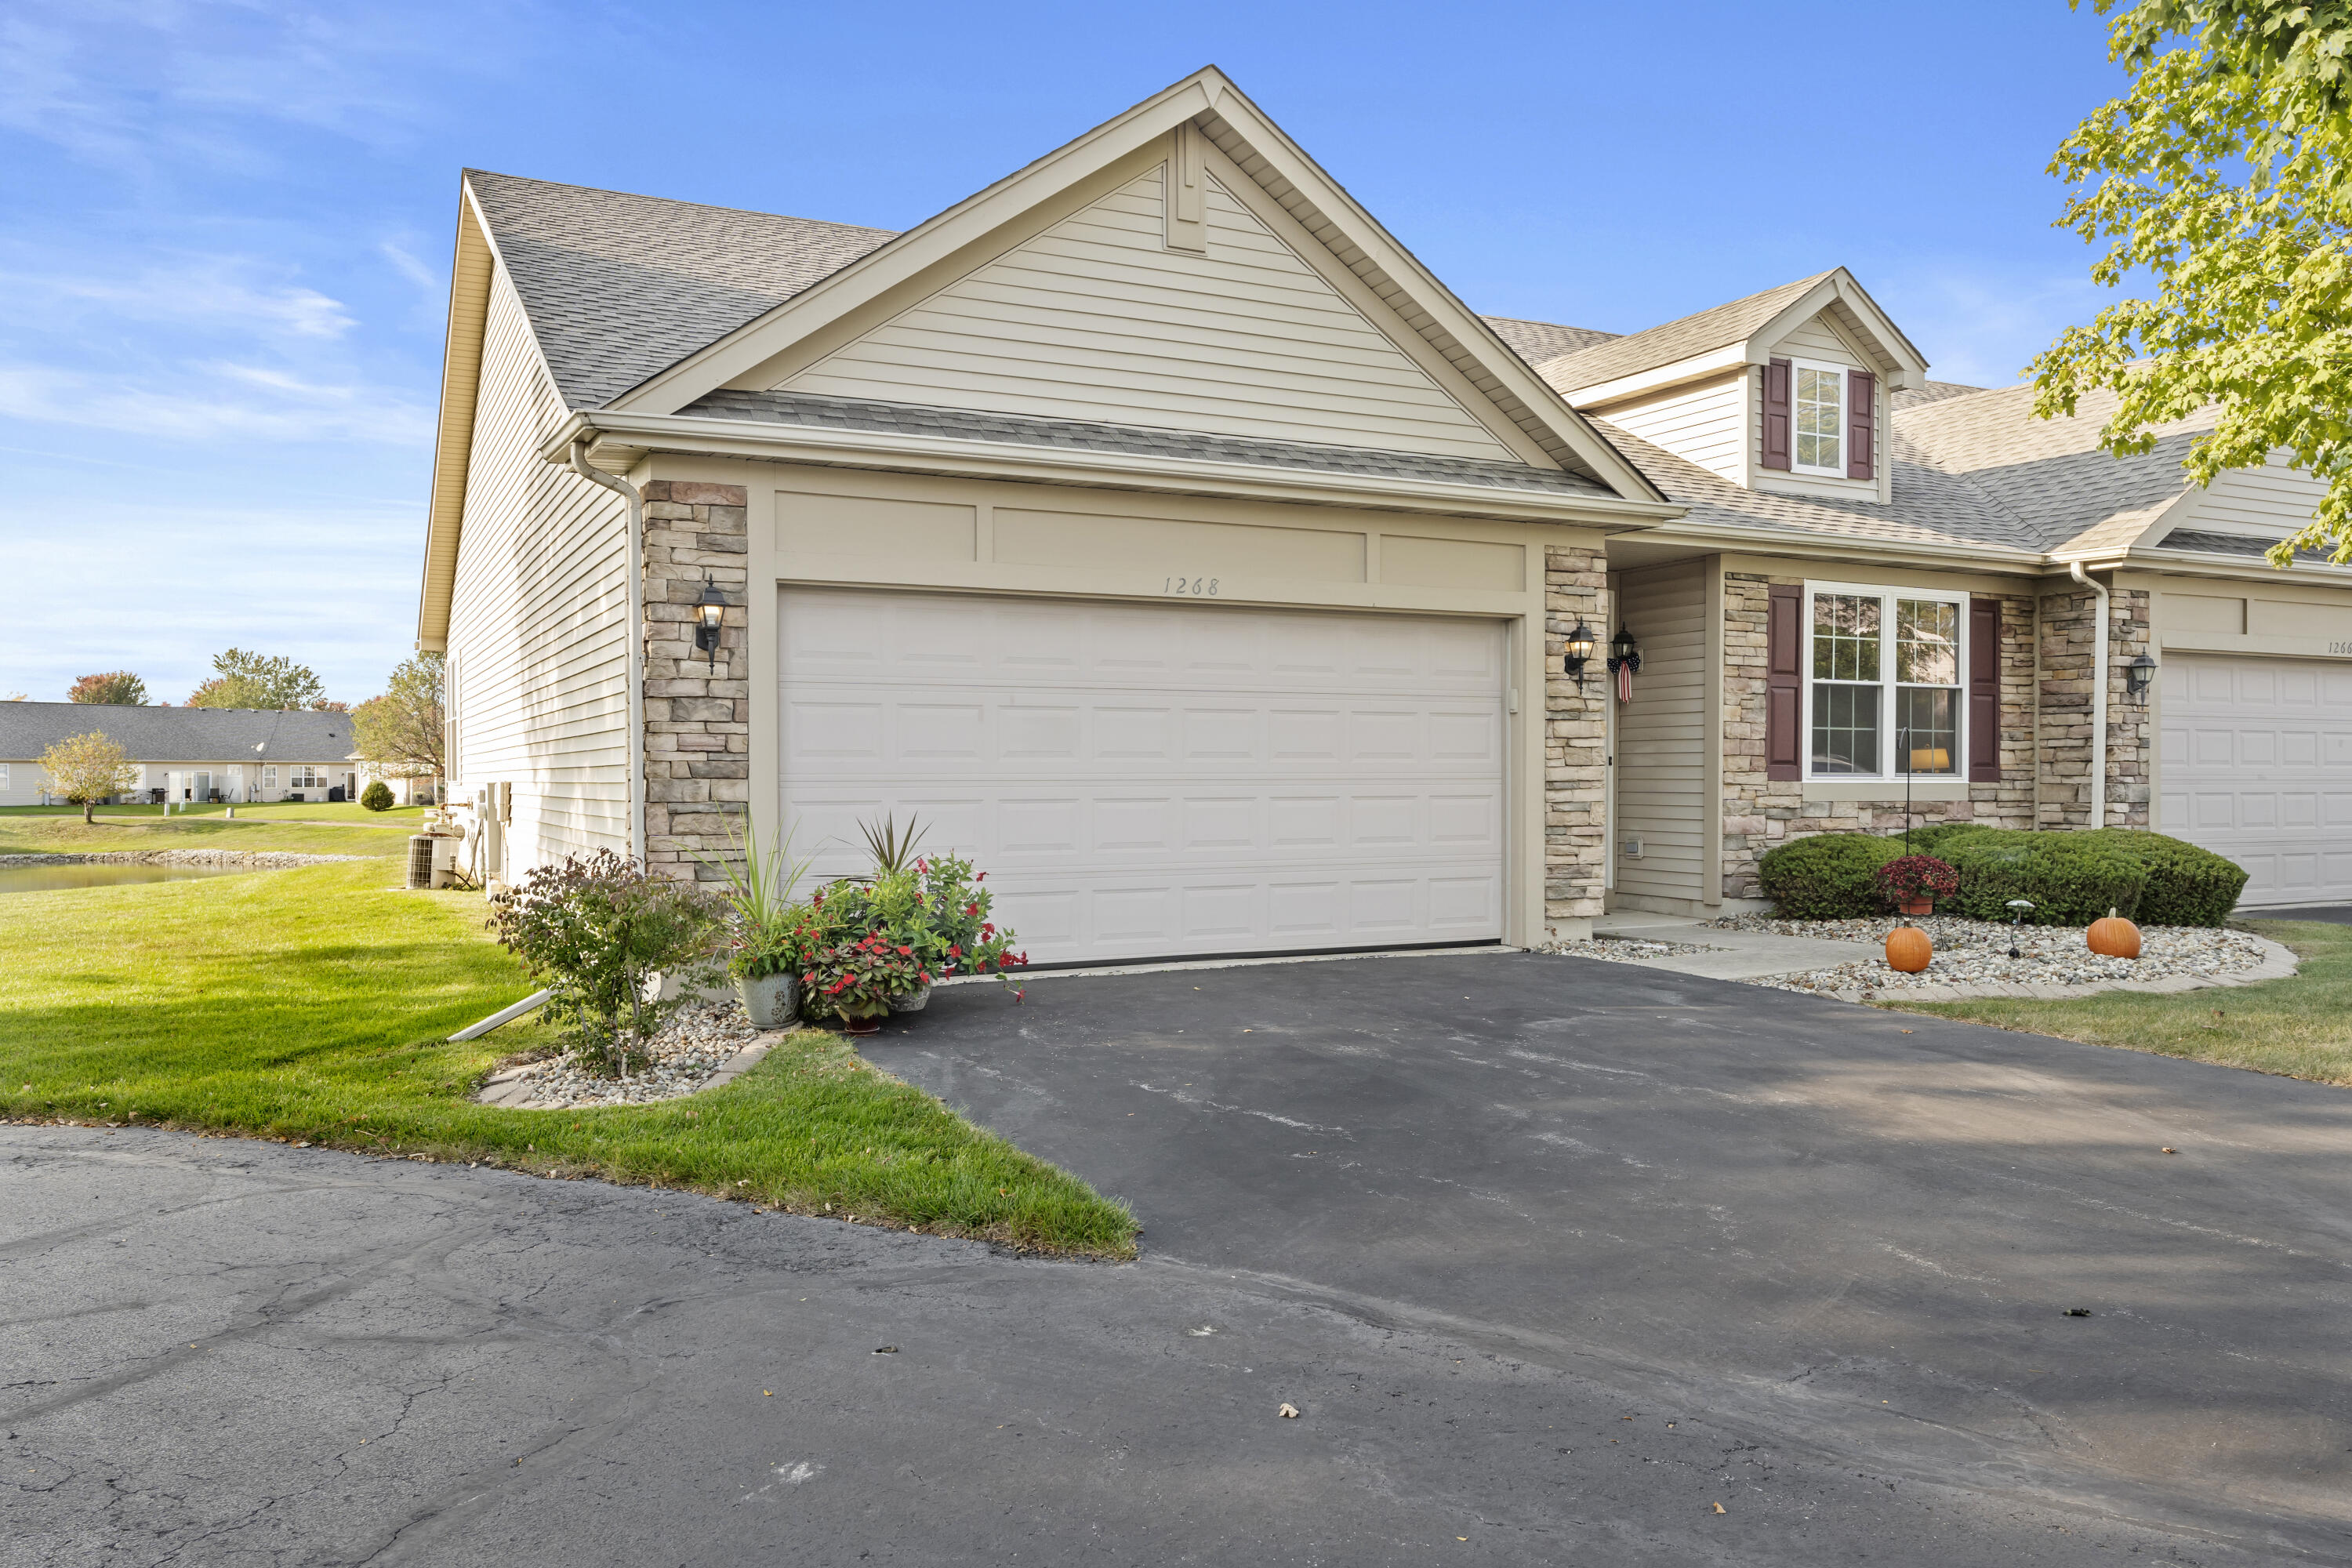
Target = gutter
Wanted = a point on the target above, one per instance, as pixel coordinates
(635, 500)
(2098, 697)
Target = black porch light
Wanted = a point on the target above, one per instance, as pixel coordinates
(709, 615)
(1624, 653)
(1579, 652)
(2136, 676)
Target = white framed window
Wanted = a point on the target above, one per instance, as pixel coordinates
(303, 776)
(1884, 694)
(1817, 417)
(269, 776)
(4, 775)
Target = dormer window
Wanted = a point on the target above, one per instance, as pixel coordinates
(1820, 418)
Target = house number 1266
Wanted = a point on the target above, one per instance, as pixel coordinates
(1201, 587)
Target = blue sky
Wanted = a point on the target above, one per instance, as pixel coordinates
(228, 227)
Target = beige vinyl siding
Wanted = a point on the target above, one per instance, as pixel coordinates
(1095, 319)
(1818, 341)
(1661, 745)
(2271, 502)
(1699, 423)
(537, 617)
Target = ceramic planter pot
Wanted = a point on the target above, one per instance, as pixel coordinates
(913, 1001)
(771, 1000)
(1917, 906)
(862, 1023)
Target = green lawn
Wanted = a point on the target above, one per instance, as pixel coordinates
(315, 1004)
(51, 830)
(2301, 1027)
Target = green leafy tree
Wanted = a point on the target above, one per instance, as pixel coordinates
(402, 731)
(242, 679)
(2223, 177)
(87, 769)
(120, 687)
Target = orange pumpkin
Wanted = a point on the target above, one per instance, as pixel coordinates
(1908, 950)
(2114, 936)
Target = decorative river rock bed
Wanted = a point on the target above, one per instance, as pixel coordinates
(1972, 959)
(700, 1039)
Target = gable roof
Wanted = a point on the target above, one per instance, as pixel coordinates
(179, 734)
(1734, 322)
(620, 287)
(2071, 495)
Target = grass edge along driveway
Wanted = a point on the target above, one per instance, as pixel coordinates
(2297, 1027)
(313, 1006)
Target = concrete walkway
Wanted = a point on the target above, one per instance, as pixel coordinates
(1736, 955)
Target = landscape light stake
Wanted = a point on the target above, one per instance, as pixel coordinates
(2015, 922)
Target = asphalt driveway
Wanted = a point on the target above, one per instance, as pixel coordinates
(1555, 1258)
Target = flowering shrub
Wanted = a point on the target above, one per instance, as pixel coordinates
(600, 932)
(955, 932)
(857, 978)
(1918, 877)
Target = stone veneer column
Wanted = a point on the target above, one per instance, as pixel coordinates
(1760, 814)
(1576, 773)
(697, 736)
(2068, 657)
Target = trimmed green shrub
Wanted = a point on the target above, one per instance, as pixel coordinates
(2186, 886)
(2072, 879)
(1827, 876)
(1929, 840)
(377, 796)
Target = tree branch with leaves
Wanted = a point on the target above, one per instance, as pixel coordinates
(2224, 178)
(401, 734)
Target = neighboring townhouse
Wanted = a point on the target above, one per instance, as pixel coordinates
(1885, 587)
(1163, 534)
(188, 755)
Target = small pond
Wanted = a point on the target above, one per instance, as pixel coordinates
(49, 879)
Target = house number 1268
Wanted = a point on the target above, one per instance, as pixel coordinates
(1201, 587)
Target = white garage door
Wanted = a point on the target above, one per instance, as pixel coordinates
(1148, 780)
(2257, 766)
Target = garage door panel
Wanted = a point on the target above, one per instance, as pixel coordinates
(1146, 780)
(2257, 766)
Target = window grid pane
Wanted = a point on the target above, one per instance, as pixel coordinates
(1845, 637)
(1820, 416)
(1927, 731)
(1927, 642)
(1845, 729)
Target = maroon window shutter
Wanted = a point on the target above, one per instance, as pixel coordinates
(1861, 424)
(1777, 399)
(1984, 691)
(1784, 708)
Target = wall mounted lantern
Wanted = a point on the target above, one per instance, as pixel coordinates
(709, 615)
(1580, 652)
(2136, 676)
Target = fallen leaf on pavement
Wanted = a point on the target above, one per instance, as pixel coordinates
(1290, 1412)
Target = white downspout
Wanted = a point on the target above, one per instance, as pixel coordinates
(636, 637)
(2098, 698)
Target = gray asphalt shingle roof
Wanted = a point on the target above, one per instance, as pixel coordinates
(1930, 392)
(1024, 430)
(619, 287)
(178, 734)
(1535, 341)
(1731, 322)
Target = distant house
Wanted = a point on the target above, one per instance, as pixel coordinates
(188, 755)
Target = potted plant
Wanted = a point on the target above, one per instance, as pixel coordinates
(769, 935)
(855, 978)
(954, 933)
(1914, 882)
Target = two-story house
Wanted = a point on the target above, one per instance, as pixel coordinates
(1164, 534)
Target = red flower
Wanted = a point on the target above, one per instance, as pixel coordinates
(922, 864)
(988, 928)
(981, 878)
(924, 975)
(971, 908)
(954, 951)
(906, 952)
